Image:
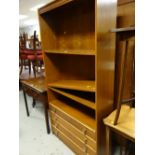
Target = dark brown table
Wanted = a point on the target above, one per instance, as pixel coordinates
(35, 87)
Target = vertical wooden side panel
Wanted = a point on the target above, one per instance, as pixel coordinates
(105, 65)
(48, 40)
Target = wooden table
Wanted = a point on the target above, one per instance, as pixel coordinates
(35, 87)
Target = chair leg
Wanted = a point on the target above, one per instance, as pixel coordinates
(33, 103)
(123, 146)
(21, 67)
(29, 62)
(34, 71)
(108, 141)
(26, 105)
(46, 118)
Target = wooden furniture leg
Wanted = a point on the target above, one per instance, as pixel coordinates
(108, 141)
(21, 67)
(34, 71)
(26, 105)
(33, 103)
(29, 62)
(46, 118)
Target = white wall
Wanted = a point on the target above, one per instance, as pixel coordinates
(30, 30)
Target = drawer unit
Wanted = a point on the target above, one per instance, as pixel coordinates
(56, 120)
(69, 142)
(81, 147)
(73, 132)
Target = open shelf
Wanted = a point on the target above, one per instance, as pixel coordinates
(75, 52)
(80, 31)
(76, 113)
(76, 98)
(82, 85)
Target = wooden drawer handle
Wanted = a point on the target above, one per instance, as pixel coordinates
(85, 140)
(54, 110)
(56, 132)
(85, 150)
(56, 125)
(55, 119)
(84, 131)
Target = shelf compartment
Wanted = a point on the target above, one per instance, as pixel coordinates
(76, 98)
(74, 52)
(76, 116)
(81, 85)
(64, 26)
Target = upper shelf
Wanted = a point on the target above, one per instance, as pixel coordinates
(53, 5)
(73, 52)
(81, 85)
(123, 29)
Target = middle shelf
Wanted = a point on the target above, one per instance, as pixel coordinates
(81, 85)
(71, 51)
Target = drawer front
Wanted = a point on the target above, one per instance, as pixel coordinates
(82, 147)
(67, 141)
(56, 119)
(84, 129)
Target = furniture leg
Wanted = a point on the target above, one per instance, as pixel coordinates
(21, 67)
(46, 118)
(34, 71)
(33, 103)
(123, 146)
(26, 105)
(108, 141)
(29, 62)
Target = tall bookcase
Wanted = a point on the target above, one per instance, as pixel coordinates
(79, 57)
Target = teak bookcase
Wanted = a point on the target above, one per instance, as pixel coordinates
(79, 56)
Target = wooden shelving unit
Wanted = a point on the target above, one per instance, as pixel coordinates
(79, 57)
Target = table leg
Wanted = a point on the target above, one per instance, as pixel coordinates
(108, 141)
(46, 118)
(26, 105)
(33, 103)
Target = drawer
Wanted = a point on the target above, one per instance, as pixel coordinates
(76, 123)
(70, 143)
(83, 147)
(56, 119)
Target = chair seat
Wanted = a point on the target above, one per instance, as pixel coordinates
(126, 122)
(23, 56)
(33, 57)
(40, 57)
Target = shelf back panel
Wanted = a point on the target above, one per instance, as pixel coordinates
(70, 67)
(74, 22)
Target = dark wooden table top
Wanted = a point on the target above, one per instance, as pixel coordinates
(37, 84)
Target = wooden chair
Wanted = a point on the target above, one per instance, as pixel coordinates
(122, 119)
(33, 56)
